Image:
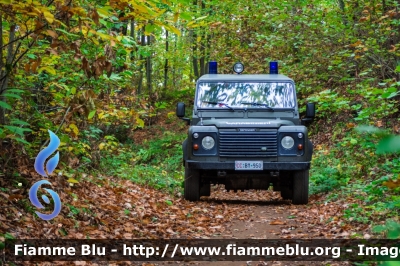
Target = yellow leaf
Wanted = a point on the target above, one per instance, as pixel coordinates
(95, 41)
(49, 69)
(103, 36)
(392, 184)
(176, 15)
(49, 17)
(139, 122)
(173, 29)
(74, 129)
(72, 180)
(140, 8)
(102, 145)
(70, 148)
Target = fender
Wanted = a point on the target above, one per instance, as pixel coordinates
(184, 149)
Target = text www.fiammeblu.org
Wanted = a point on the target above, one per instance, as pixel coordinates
(233, 250)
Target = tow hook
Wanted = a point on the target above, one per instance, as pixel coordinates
(221, 173)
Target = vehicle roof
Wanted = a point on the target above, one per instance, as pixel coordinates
(244, 77)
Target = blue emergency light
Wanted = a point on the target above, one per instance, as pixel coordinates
(273, 67)
(212, 67)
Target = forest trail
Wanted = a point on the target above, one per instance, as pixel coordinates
(264, 215)
(120, 209)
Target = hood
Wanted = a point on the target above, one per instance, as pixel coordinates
(235, 123)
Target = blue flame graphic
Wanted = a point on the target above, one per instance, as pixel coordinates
(45, 153)
(35, 201)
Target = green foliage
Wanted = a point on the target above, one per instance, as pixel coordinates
(329, 102)
(391, 229)
(7, 236)
(93, 77)
(389, 144)
(157, 163)
(355, 166)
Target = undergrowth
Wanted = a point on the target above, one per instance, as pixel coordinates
(156, 163)
(356, 173)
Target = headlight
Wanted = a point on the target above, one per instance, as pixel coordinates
(300, 135)
(195, 135)
(208, 143)
(287, 142)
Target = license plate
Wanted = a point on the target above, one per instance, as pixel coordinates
(248, 165)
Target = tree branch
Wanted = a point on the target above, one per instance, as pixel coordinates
(15, 63)
(19, 58)
(1, 42)
(24, 36)
(59, 127)
(10, 45)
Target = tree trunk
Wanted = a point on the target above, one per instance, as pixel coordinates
(166, 61)
(341, 6)
(132, 34)
(142, 42)
(2, 110)
(202, 47)
(5, 74)
(194, 48)
(194, 55)
(148, 67)
(174, 60)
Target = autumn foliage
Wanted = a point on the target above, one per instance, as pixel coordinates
(105, 77)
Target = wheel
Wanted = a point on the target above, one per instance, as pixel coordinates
(192, 184)
(286, 184)
(286, 192)
(205, 189)
(276, 186)
(300, 187)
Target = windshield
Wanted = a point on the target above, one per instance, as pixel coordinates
(245, 95)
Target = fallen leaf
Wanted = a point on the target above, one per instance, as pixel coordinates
(277, 222)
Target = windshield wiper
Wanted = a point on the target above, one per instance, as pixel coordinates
(259, 104)
(220, 103)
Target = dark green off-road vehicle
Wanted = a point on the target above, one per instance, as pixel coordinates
(246, 133)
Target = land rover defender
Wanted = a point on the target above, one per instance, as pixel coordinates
(246, 133)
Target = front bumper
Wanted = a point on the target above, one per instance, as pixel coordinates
(276, 166)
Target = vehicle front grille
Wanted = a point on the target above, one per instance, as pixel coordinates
(248, 144)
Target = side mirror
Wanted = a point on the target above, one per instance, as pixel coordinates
(310, 110)
(180, 110)
(310, 113)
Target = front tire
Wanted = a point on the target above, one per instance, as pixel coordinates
(192, 184)
(286, 193)
(205, 189)
(300, 187)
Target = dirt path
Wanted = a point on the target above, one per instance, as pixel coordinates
(125, 210)
(267, 216)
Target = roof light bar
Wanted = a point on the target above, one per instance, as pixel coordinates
(212, 67)
(273, 67)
